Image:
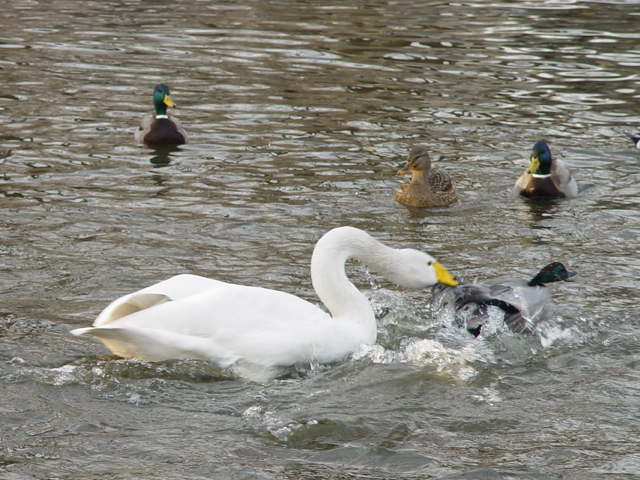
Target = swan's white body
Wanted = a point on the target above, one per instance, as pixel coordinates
(188, 316)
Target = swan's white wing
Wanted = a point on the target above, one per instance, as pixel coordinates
(184, 285)
(174, 288)
(222, 322)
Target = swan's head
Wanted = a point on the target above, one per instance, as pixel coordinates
(415, 269)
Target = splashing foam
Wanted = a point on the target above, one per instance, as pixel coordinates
(427, 354)
(64, 375)
(276, 426)
(489, 395)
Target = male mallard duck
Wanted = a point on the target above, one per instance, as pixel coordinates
(635, 138)
(523, 302)
(193, 317)
(546, 177)
(427, 187)
(161, 128)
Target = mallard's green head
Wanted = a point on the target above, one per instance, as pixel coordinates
(162, 99)
(554, 272)
(540, 159)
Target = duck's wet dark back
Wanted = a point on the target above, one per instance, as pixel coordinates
(299, 114)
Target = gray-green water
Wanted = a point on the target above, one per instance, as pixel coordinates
(299, 115)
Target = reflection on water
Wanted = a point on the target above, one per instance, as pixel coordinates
(299, 114)
(162, 155)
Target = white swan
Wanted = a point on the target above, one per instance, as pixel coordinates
(192, 317)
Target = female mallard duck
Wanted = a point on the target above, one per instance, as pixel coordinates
(428, 187)
(161, 128)
(523, 302)
(188, 316)
(546, 177)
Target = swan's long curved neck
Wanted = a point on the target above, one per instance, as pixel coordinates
(330, 281)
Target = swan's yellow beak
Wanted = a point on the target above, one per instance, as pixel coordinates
(168, 102)
(535, 164)
(443, 275)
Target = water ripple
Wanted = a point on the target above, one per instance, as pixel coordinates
(299, 115)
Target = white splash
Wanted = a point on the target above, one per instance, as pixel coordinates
(428, 354)
(431, 353)
(63, 375)
(276, 426)
(489, 395)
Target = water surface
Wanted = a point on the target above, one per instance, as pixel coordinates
(299, 114)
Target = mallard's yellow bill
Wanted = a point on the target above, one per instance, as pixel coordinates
(535, 164)
(168, 102)
(443, 275)
(403, 171)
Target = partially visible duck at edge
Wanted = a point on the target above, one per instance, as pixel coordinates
(428, 186)
(524, 302)
(546, 176)
(635, 138)
(161, 128)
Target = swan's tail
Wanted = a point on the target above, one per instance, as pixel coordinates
(156, 345)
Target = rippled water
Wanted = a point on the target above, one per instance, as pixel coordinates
(299, 113)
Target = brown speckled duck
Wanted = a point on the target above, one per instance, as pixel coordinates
(427, 187)
(161, 128)
(546, 177)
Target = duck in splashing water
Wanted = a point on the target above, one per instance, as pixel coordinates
(522, 301)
